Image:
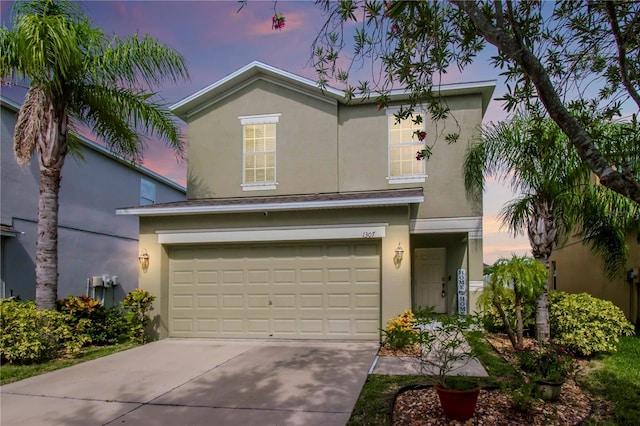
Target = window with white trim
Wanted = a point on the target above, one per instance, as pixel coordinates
(259, 152)
(404, 145)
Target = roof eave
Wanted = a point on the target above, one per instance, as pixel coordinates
(248, 208)
(184, 108)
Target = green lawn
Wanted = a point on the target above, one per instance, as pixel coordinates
(12, 373)
(613, 377)
(616, 378)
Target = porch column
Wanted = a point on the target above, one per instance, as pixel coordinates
(475, 272)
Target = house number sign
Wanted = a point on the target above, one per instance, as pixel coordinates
(462, 291)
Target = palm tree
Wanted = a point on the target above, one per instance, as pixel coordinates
(557, 195)
(513, 282)
(532, 155)
(77, 74)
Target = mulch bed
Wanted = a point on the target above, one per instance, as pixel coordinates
(421, 407)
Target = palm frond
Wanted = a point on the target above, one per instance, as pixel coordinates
(515, 215)
(124, 62)
(45, 47)
(31, 123)
(74, 144)
(606, 219)
(118, 115)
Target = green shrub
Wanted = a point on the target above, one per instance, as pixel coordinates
(115, 328)
(137, 306)
(586, 325)
(79, 306)
(30, 335)
(104, 326)
(492, 322)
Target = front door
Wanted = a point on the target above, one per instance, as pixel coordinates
(430, 265)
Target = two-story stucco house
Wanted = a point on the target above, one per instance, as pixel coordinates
(310, 217)
(92, 240)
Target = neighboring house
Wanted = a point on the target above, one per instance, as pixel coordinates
(309, 217)
(575, 270)
(92, 240)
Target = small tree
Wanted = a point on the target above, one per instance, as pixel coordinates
(519, 280)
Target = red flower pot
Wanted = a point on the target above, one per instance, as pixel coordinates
(458, 404)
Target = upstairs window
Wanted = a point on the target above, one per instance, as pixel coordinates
(147, 192)
(259, 152)
(404, 145)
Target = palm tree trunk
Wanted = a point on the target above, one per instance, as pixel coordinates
(543, 233)
(543, 330)
(52, 148)
(507, 325)
(47, 240)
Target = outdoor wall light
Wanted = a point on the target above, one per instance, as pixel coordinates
(143, 258)
(397, 259)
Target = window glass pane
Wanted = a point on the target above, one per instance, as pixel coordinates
(271, 174)
(407, 135)
(395, 168)
(248, 132)
(147, 192)
(270, 160)
(270, 144)
(270, 130)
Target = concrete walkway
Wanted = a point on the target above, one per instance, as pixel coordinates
(198, 382)
(395, 365)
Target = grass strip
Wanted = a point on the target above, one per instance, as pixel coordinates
(12, 373)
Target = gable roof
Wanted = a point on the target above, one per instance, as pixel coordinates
(14, 106)
(259, 71)
(391, 197)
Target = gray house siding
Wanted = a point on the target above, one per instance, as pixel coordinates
(92, 240)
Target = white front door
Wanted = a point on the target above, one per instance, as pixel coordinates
(430, 278)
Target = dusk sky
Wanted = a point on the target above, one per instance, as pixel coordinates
(216, 41)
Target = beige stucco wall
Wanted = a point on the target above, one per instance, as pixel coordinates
(363, 156)
(577, 271)
(306, 143)
(323, 146)
(395, 282)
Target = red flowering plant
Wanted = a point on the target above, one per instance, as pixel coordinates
(277, 22)
(548, 361)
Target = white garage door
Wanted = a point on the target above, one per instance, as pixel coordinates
(322, 291)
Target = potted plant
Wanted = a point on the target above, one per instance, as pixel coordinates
(548, 364)
(445, 352)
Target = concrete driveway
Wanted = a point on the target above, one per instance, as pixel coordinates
(199, 382)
